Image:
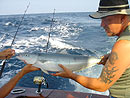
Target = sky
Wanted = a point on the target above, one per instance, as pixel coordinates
(9, 7)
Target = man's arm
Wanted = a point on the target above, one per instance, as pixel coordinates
(117, 63)
(5, 90)
(115, 66)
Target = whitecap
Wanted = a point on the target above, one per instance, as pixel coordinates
(9, 24)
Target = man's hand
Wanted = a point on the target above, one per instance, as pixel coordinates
(29, 68)
(104, 59)
(66, 73)
(7, 54)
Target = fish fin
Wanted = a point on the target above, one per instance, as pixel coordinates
(44, 71)
(39, 65)
(36, 65)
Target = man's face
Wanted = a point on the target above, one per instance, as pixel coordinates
(112, 24)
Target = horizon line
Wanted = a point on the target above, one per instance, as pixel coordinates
(47, 13)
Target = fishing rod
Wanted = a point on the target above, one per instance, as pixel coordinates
(51, 29)
(4, 61)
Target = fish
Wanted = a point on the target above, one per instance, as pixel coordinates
(48, 62)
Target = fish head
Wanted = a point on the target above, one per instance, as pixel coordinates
(29, 58)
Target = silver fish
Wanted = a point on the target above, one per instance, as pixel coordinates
(49, 61)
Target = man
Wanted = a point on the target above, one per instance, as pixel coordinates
(115, 75)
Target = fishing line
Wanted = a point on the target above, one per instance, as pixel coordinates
(4, 61)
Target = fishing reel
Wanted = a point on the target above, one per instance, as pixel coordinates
(40, 80)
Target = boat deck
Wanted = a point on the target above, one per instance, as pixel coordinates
(53, 93)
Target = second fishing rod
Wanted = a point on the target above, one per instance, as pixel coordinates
(4, 61)
(42, 79)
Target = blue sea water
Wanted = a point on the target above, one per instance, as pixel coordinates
(75, 33)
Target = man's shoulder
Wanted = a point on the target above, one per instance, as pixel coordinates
(122, 44)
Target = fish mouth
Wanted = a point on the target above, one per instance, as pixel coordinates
(19, 57)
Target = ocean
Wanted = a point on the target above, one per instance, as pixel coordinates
(72, 33)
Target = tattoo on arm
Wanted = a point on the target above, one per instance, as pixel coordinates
(108, 72)
(113, 57)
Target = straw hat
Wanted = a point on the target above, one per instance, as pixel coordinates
(111, 7)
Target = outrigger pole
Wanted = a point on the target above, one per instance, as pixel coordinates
(4, 61)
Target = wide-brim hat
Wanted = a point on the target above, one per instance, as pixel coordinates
(111, 7)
